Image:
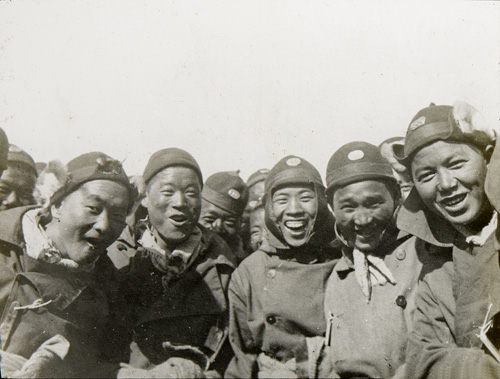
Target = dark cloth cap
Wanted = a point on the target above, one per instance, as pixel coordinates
(18, 155)
(354, 162)
(92, 166)
(292, 170)
(170, 157)
(435, 123)
(4, 147)
(226, 190)
(257, 176)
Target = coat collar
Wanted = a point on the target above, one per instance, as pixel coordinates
(415, 219)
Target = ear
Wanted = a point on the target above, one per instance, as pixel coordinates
(145, 200)
(488, 152)
(55, 211)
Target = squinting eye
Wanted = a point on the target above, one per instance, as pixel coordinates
(426, 177)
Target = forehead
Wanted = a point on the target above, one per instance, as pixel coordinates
(14, 173)
(440, 151)
(257, 215)
(105, 190)
(207, 207)
(359, 191)
(176, 175)
(292, 189)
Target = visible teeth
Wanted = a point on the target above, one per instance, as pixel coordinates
(453, 200)
(294, 224)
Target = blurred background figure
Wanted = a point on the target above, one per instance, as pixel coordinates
(256, 188)
(18, 180)
(224, 198)
(258, 231)
(390, 148)
(40, 166)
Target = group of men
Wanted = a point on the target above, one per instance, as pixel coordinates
(389, 270)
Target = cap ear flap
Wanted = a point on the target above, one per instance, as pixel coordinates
(50, 180)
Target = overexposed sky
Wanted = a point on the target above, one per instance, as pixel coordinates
(238, 84)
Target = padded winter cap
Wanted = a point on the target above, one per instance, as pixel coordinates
(227, 191)
(435, 123)
(170, 157)
(292, 170)
(16, 155)
(4, 147)
(257, 176)
(354, 162)
(92, 166)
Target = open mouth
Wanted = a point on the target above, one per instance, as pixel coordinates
(179, 219)
(453, 201)
(295, 226)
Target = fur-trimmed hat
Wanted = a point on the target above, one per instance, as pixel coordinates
(19, 157)
(57, 180)
(170, 157)
(226, 190)
(460, 123)
(354, 162)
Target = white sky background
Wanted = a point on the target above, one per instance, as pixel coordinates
(238, 84)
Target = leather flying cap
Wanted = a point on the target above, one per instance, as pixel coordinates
(445, 123)
(354, 162)
(226, 190)
(170, 157)
(257, 176)
(17, 155)
(92, 166)
(292, 170)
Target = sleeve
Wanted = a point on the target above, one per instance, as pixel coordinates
(432, 352)
(244, 363)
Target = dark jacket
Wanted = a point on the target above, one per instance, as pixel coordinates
(182, 317)
(47, 299)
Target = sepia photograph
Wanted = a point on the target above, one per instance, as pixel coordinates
(249, 189)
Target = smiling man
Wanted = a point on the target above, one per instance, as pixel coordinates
(177, 283)
(224, 198)
(369, 295)
(276, 294)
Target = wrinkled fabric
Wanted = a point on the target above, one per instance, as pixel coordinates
(275, 304)
(368, 339)
(182, 314)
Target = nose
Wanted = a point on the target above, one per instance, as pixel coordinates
(446, 180)
(102, 223)
(294, 206)
(362, 217)
(178, 200)
(11, 200)
(217, 225)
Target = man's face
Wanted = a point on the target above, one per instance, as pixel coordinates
(16, 188)
(256, 191)
(363, 211)
(258, 231)
(173, 200)
(405, 183)
(449, 178)
(89, 219)
(295, 208)
(222, 222)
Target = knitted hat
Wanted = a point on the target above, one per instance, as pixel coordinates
(88, 167)
(460, 123)
(354, 162)
(257, 176)
(226, 190)
(17, 155)
(168, 158)
(4, 147)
